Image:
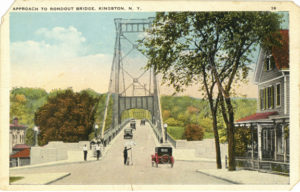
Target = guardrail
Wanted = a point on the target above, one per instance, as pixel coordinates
(156, 132)
(111, 133)
(171, 140)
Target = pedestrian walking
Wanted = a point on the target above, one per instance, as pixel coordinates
(98, 151)
(125, 153)
(101, 149)
(85, 151)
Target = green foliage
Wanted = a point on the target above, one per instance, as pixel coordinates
(242, 140)
(29, 140)
(194, 132)
(286, 131)
(208, 135)
(212, 47)
(14, 179)
(136, 114)
(68, 117)
(173, 122)
(100, 112)
(24, 102)
(176, 132)
(202, 117)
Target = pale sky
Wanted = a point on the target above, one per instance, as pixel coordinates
(61, 50)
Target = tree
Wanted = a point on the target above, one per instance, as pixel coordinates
(172, 53)
(243, 139)
(213, 48)
(194, 132)
(29, 139)
(166, 114)
(67, 116)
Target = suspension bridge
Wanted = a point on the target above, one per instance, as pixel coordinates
(131, 86)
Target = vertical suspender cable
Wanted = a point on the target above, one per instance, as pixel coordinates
(109, 87)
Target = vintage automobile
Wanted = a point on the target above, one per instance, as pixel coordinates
(143, 121)
(128, 133)
(133, 124)
(163, 155)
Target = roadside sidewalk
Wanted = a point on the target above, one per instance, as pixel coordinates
(38, 178)
(90, 158)
(246, 177)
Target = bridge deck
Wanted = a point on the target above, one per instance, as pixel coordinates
(111, 170)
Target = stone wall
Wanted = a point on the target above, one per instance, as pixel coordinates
(205, 148)
(54, 151)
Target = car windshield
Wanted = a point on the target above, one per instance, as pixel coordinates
(164, 150)
(128, 131)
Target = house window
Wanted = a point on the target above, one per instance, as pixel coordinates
(278, 94)
(269, 63)
(267, 98)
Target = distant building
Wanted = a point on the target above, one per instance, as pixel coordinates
(20, 155)
(16, 134)
(270, 125)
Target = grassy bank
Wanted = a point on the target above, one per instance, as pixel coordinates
(178, 133)
(13, 179)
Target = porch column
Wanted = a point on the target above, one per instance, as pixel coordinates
(252, 143)
(283, 143)
(18, 159)
(259, 144)
(275, 141)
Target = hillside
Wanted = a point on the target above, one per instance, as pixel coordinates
(176, 111)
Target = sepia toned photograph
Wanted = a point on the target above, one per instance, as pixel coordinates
(129, 96)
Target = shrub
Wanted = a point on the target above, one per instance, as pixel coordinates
(173, 122)
(194, 132)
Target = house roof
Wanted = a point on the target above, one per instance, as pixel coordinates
(257, 116)
(17, 126)
(23, 153)
(281, 53)
(21, 146)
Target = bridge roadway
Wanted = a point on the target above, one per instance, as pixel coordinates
(111, 170)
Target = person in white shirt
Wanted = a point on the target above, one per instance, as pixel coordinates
(85, 151)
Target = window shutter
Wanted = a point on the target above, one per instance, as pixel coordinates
(265, 98)
(272, 97)
(278, 94)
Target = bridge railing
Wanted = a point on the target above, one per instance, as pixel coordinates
(155, 130)
(111, 133)
(171, 140)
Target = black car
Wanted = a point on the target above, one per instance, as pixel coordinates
(133, 124)
(143, 121)
(163, 155)
(128, 133)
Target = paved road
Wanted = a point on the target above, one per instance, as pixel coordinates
(111, 170)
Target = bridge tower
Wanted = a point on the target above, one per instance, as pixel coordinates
(131, 86)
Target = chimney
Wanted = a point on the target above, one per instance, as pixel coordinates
(15, 121)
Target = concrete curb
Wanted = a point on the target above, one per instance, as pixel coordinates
(32, 179)
(210, 175)
(59, 178)
(198, 160)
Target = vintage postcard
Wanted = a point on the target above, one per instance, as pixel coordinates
(150, 95)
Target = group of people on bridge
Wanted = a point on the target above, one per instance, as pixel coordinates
(98, 149)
